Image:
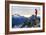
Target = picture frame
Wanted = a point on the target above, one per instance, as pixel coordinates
(23, 6)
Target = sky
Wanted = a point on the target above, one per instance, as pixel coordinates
(24, 10)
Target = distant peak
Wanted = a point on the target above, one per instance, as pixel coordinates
(17, 14)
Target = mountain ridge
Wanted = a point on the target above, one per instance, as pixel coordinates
(18, 20)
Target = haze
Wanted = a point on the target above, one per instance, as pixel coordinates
(25, 11)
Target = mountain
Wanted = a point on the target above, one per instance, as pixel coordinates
(17, 20)
(34, 20)
(21, 21)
